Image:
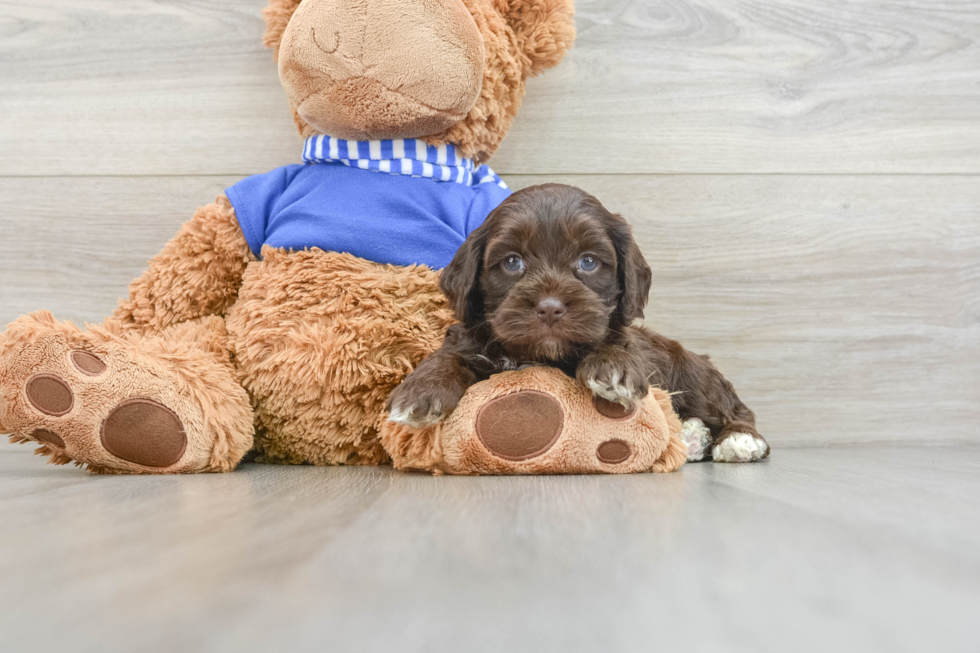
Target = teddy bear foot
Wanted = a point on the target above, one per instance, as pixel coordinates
(539, 421)
(112, 404)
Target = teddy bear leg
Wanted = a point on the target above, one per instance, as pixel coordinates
(539, 421)
(118, 403)
(321, 339)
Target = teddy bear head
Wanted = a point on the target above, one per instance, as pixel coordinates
(445, 71)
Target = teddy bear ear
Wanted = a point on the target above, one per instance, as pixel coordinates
(276, 17)
(545, 29)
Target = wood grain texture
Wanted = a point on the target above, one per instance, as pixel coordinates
(844, 309)
(664, 86)
(73, 245)
(855, 549)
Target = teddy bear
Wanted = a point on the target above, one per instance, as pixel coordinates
(279, 318)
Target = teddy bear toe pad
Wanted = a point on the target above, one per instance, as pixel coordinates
(611, 409)
(50, 437)
(50, 395)
(88, 364)
(613, 452)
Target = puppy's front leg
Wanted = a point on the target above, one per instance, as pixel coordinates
(615, 371)
(432, 391)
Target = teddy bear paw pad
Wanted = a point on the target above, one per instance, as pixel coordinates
(521, 425)
(144, 432)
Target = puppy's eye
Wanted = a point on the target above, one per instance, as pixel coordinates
(513, 264)
(588, 263)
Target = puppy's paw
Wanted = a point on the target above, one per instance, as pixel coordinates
(417, 406)
(614, 375)
(697, 437)
(739, 448)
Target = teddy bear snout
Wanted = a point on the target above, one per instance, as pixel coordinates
(382, 69)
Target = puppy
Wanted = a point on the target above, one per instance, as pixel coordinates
(553, 278)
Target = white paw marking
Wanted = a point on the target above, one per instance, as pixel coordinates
(614, 391)
(404, 416)
(739, 448)
(697, 437)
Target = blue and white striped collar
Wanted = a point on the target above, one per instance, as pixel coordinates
(402, 156)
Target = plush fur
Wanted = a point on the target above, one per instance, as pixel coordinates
(383, 69)
(454, 446)
(321, 339)
(293, 355)
(185, 367)
(197, 274)
(521, 38)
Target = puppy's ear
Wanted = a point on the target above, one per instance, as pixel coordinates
(545, 29)
(461, 278)
(634, 274)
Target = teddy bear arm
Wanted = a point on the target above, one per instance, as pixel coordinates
(197, 274)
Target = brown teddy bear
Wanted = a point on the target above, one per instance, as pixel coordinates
(252, 331)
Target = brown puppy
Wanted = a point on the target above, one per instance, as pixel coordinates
(553, 278)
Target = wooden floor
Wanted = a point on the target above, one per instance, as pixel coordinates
(826, 549)
(804, 178)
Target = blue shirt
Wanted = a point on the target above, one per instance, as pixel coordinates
(385, 217)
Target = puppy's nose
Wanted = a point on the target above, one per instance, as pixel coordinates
(550, 309)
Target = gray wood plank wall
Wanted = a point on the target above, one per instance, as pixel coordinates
(803, 177)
